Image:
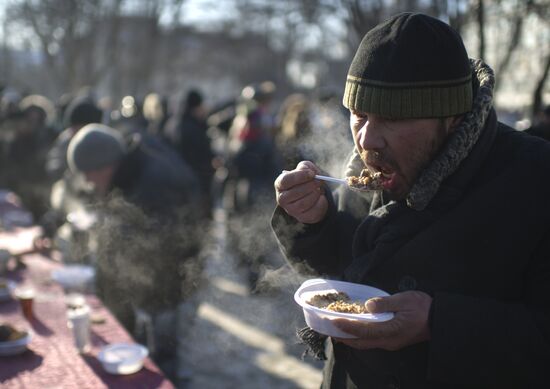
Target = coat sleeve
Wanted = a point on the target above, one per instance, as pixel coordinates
(495, 344)
(323, 248)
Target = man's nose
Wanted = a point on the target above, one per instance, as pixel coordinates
(371, 137)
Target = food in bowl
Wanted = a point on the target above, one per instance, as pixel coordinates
(9, 333)
(337, 302)
(322, 300)
(13, 341)
(345, 307)
(322, 320)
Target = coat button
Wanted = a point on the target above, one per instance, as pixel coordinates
(407, 283)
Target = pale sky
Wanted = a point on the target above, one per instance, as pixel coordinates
(193, 12)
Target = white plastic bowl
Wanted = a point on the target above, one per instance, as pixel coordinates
(74, 276)
(14, 347)
(321, 320)
(122, 358)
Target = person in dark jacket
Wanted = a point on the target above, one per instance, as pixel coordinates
(148, 236)
(458, 233)
(190, 138)
(26, 151)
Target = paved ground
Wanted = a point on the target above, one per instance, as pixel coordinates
(241, 340)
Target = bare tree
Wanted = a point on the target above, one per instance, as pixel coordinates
(362, 16)
(541, 8)
(293, 30)
(65, 31)
(79, 39)
(520, 12)
(510, 17)
(479, 10)
(456, 14)
(6, 63)
(118, 43)
(539, 88)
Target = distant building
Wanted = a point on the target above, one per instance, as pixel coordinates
(169, 62)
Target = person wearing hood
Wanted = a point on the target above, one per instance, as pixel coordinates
(457, 234)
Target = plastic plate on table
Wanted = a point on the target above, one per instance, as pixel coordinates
(14, 347)
(122, 358)
(73, 276)
(321, 320)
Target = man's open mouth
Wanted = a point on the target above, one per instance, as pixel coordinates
(386, 177)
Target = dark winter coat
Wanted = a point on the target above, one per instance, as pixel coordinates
(150, 233)
(480, 248)
(154, 178)
(541, 130)
(195, 149)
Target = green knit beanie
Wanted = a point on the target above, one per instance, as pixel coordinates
(410, 66)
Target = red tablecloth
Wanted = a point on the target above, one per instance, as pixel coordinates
(51, 360)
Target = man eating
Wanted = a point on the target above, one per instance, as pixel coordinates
(458, 234)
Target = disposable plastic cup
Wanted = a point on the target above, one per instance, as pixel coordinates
(79, 322)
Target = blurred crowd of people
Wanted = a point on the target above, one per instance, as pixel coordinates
(132, 190)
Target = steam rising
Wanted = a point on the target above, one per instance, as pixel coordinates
(143, 262)
(328, 144)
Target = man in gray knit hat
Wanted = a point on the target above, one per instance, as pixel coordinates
(466, 267)
(96, 150)
(148, 236)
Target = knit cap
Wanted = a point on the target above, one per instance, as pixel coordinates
(94, 147)
(82, 111)
(410, 66)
